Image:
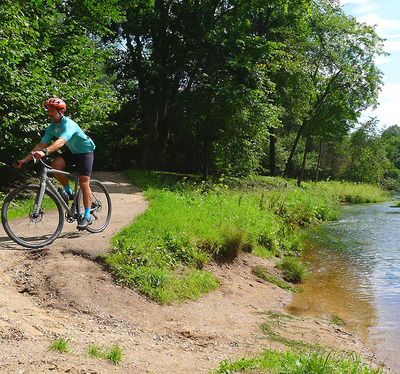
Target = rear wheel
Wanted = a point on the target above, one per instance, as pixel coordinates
(27, 226)
(100, 211)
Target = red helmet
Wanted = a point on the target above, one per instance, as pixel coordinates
(56, 103)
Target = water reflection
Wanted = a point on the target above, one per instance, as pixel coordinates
(354, 273)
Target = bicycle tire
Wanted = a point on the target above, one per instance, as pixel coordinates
(22, 227)
(100, 212)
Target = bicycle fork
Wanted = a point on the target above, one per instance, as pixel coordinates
(37, 208)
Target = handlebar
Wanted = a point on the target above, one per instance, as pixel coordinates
(44, 164)
(18, 165)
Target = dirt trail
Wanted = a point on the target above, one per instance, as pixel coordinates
(63, 291)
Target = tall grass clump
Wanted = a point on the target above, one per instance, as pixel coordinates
(349, 192)
(189, 223)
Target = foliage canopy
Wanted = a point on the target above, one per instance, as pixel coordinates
(200, 86)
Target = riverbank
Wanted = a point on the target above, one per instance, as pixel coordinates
(63, 291)
(192, 222)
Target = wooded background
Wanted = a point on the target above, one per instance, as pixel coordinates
(221, 87)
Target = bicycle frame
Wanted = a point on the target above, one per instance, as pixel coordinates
(45, 181)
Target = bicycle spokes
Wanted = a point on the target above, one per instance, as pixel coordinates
(100, 209)
(27, 223)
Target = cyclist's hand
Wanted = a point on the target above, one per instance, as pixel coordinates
(37, 155)
(18, 164)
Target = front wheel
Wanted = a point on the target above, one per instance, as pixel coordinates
(100, 211)
(27, 225)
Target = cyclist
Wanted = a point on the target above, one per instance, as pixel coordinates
(79, 152)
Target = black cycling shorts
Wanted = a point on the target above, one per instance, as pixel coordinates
(82, 161)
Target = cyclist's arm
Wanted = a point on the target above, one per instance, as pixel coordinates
(55, 146)
(37, 147)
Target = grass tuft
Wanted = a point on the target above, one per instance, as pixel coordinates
(60, 345)
(338, 321)
(113, 354)
(95, 350)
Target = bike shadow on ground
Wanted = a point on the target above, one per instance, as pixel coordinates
(7, 244)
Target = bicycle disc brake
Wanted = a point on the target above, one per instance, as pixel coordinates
(36, 218)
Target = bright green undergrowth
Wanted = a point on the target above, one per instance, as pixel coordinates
(348, 192)
(294, 270)
(298, 362)
(190, 223)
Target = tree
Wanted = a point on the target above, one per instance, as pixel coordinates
(342, 75)
(209, 52)
(50, 49)
(368, 161)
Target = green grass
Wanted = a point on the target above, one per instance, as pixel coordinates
(294, 270)
(95, 350)
(299, 358)
(338, 321)
(297, 362)
(263, 273)
(269, 326)
(113, 354)
(190, 223)
(60, 345)
(349, 192)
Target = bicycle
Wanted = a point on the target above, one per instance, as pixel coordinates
(33, 215)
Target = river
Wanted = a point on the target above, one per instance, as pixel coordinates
(354, 274)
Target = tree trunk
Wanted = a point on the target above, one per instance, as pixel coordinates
(157, 137)
(288, 167)
(272, 152)
(205, 159)
(303, 166)
(319, 161)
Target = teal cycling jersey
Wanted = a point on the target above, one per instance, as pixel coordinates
(77, 141)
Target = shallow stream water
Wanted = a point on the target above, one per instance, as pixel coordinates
(354, 274)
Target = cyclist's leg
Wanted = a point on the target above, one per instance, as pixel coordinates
(59, 163)
(84, 162)
(84, 182)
